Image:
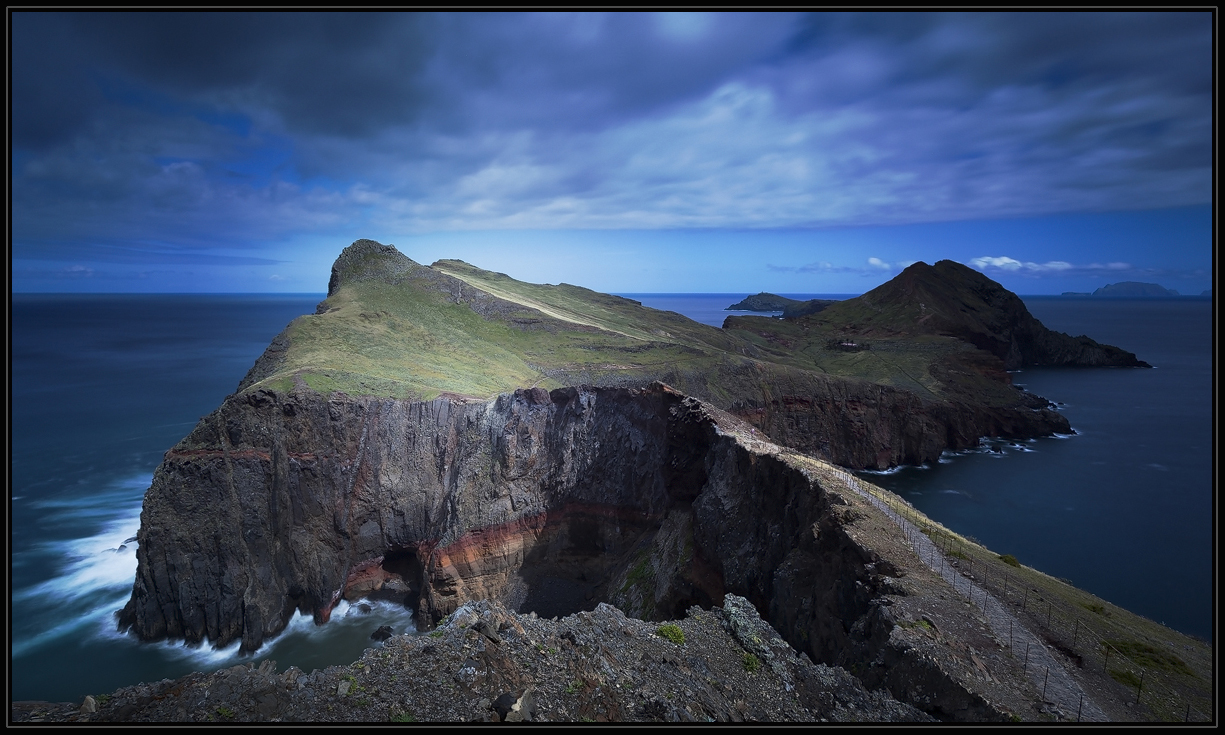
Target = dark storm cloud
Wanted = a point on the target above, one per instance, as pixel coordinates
(333, 73)
(239, 129)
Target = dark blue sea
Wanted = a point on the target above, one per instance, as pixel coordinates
(102, 386)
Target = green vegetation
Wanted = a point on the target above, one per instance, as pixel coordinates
(1125, 677)
(354, 687)
(574, 686)
(225, 712)
(397, 329)
(672, 632)
(1010, 560)
(751, 663)
(1096, 608)
(1148, 656)
(435, 634)
(404, 717)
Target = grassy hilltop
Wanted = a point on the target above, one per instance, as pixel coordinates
(392, 327)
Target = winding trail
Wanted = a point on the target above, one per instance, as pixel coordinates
(1063, 695)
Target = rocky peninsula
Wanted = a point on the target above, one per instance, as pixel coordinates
(478, 448)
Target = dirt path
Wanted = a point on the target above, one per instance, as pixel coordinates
(1062, 693)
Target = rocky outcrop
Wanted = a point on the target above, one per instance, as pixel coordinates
(486, 663)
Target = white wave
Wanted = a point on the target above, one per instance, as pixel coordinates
(94, 573)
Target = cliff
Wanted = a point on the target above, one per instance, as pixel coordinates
(389, 445)
(551, 502)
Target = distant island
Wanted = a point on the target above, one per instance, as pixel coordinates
(1129, 289)
(763, 302)
(791, 308)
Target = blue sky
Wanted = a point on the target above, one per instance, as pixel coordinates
(795, 153)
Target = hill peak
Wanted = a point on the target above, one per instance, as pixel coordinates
(369, 260)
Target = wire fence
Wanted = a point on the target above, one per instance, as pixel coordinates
(1077, 631)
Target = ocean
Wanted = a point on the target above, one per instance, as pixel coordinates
(103, 385)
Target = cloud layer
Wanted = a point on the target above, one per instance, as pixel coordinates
(209, 138)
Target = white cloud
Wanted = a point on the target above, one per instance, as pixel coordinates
(1051, 267)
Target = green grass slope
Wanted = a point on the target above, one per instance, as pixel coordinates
(392, 327)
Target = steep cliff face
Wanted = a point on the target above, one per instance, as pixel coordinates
(865, 425)
(283, 502)
(550, 502)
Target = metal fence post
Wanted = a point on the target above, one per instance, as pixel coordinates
(1044, 680)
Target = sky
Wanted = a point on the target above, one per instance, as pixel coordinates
(625, 152)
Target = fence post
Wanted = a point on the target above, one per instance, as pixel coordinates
(1010, 635)
(1140, 685)
(1044, 680)
(1107, 661)
(1079, 706)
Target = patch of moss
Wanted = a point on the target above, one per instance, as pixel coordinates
(751, 663)
(1010, 560)
(671, 632)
